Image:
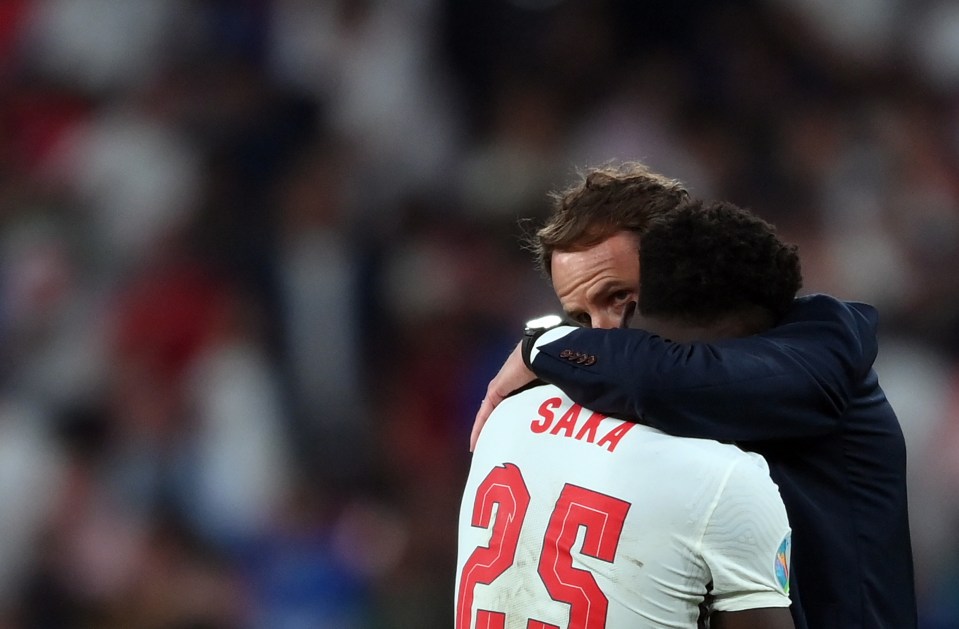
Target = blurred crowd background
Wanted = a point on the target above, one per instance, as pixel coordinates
(259, 260)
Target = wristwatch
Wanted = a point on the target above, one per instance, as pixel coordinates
(534, 329)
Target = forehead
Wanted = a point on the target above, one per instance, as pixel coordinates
(614, 260)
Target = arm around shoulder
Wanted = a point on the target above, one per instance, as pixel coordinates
(794, 380)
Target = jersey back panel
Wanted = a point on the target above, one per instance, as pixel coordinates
(577, 521)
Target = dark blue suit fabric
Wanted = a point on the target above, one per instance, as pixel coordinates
(804, 395)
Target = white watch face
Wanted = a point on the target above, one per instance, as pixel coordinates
(549, 321)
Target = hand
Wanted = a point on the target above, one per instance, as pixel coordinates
(512, 375)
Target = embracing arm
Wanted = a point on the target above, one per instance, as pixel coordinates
(794, 380)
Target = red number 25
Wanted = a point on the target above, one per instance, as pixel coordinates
(602, 517)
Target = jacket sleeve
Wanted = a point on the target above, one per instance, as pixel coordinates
(794, 380)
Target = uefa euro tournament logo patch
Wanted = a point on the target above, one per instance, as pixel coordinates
(782, 563)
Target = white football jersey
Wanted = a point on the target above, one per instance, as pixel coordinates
(572, 520)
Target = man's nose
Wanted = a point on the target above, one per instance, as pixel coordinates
(607, 320)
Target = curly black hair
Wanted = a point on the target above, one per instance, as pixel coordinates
(701, 262)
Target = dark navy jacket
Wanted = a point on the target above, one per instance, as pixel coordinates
(805, 396)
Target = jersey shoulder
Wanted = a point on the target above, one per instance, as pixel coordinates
(543, 415)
